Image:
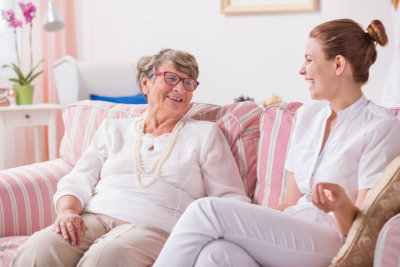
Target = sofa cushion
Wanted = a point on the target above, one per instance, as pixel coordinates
(277, 123)
(387, 245)
(8, 247)
(381, 203)
(239, 122)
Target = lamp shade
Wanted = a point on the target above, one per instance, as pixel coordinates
(52, 20)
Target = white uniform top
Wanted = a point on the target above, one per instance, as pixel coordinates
(200, 164)
(362, 143)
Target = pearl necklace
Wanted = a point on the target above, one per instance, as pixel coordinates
(161, 158)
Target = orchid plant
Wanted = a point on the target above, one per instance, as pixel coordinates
(29, 12)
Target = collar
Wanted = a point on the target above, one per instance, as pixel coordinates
(353, 109)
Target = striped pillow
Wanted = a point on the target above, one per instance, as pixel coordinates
(239, 122)
(277, 123)
(388, 245)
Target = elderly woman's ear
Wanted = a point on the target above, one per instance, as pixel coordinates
(144, 83)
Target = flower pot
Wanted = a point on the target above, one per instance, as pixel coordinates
(24, 94)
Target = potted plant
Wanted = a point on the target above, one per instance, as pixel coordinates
(22, 83)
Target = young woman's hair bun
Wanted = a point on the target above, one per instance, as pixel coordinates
(377, 33)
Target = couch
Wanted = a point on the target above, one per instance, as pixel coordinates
(259, 139)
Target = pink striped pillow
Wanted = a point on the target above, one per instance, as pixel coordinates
(387, 251)
(276, 126)
(239, 122)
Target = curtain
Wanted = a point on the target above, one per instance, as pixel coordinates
(391, 93)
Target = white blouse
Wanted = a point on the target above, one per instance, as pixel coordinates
(200, 164)
(362, 143)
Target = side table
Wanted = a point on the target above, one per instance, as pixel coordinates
(30, 115)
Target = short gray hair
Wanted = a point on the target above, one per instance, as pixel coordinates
(181, 60)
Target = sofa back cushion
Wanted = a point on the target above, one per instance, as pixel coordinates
(239, 122)
(277, 123)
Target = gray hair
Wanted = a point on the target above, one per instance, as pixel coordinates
(181, 60)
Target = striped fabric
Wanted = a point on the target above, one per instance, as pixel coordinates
(387, 251)
(8, 248)
(239, 122)
(26, 192)
(277, 123)
(26, 196)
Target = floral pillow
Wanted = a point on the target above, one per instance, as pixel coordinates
(381, 203)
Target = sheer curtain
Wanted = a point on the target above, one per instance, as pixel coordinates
(7, 49)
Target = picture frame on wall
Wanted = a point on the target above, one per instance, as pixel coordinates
(267, 6)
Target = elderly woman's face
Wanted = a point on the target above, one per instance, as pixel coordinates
(173, 99)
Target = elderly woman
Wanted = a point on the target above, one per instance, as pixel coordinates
(341, 144)
(127, 191)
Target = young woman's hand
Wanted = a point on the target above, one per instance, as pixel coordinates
(332, 197)
(329, 197)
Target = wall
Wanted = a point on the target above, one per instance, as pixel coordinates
(254, 55)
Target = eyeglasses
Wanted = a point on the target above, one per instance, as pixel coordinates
(173, 79)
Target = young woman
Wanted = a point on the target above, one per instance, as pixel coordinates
(342, 143)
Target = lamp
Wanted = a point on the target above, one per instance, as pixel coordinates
(52, 22)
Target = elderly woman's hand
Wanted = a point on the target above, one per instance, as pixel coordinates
(69, 223)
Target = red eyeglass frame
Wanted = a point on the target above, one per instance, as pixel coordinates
(180, 79)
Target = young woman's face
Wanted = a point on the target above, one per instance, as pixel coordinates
(318, 71)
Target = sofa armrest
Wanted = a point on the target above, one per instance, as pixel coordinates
(26, 193)
(387, 248)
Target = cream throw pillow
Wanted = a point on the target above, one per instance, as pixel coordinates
(381, 203)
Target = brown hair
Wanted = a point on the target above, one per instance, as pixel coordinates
(395, 3)
(181, 60)
(346, 37)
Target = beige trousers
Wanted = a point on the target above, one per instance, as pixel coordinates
(107, 242)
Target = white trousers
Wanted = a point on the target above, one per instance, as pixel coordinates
(223, 232)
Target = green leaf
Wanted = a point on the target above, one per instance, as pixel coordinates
(15, 80)
(34, 77)
(31, 72)
(19, 73)
(5, 66)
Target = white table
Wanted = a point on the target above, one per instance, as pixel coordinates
(30, 115)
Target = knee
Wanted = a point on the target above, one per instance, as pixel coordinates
(203, 205)
(39, 250)
(224, 253)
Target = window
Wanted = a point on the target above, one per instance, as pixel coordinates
(7, 42)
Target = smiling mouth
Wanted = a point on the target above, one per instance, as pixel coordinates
(310, 81)
(175, 98)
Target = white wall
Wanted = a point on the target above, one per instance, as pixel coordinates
(254, 55)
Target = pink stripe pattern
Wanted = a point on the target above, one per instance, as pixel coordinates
(387, 251)
(26, 197)
(239, 122)
(277, 123)
(8, 248)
